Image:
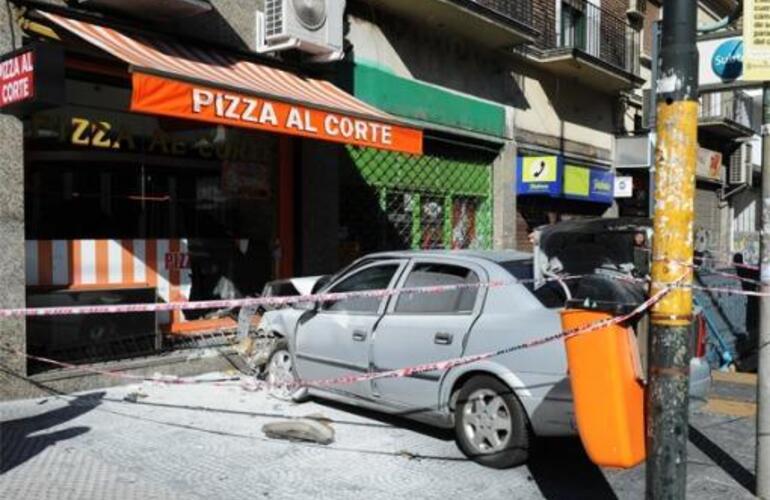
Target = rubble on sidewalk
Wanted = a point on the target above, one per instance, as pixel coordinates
(134, 396)
(311, 429)
(255, 349)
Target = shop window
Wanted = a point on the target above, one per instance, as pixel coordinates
(431, 222)
(392, 201)
(107, 174)
(464, 222)
(95, 173)
(399, 209)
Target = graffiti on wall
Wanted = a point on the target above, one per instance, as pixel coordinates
(703, 240)
(746, 243)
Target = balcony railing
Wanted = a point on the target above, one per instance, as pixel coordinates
(734, 106)
(583, 26)
(519, 11)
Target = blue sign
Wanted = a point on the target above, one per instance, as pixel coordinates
(727, 61)
(602, 186)
(539, 175)
(550, 176)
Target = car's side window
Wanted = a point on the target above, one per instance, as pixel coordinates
(371, 278)
(457, 301)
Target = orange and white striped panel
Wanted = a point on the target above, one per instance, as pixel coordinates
(219, 68)
(161, 263)
(47, 262)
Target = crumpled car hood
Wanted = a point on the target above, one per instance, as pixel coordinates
(305, 285)
(581, 246)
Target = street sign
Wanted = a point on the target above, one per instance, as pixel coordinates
(708, 165)
(756, 38)
(720, 61)
(624, 187)
(31, 78)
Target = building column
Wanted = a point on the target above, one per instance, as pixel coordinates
(12, 331)
(320, 195)
(504, 198)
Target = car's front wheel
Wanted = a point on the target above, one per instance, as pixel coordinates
(280, 371)
(491, 426)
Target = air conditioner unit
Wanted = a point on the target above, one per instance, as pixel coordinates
(636, 9)
(741, 170)
(311, 26)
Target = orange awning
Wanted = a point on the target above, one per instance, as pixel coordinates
(183, 81)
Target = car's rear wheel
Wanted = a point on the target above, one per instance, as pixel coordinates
(491, 426)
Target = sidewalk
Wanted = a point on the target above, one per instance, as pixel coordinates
(205, 441)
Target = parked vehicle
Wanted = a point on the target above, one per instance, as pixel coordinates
(496, 406)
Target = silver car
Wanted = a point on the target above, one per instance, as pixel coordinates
(496, 406)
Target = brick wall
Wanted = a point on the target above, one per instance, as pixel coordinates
(543, 16)
(617, 8)
(652, 15)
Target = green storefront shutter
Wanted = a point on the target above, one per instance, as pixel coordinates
(417, 198)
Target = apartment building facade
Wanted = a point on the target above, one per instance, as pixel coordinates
(557, 77)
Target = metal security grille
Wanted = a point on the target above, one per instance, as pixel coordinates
(393, 201)
(274, 17)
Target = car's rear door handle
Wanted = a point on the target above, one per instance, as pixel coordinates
(359, 336)
(443, 338)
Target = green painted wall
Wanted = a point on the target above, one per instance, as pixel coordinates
(428, 175)
(422, 173)
(421, 101)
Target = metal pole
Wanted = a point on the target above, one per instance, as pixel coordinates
(653, 115)
(763, 375)
(667, 396)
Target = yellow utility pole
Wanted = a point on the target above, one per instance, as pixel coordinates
(667, 397)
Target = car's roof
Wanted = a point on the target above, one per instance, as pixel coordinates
(486, 255)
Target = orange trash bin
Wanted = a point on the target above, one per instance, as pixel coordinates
(605, 373)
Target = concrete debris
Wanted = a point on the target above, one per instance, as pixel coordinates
(255, 349)
(203, 354)
(304, 429)
(245, 347)
(134, 396)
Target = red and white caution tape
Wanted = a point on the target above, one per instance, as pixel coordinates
(728, 263)
(730, 291)
(713, 260)
(257, 385)
(233, 303)
(735, 277)
(253, 301)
